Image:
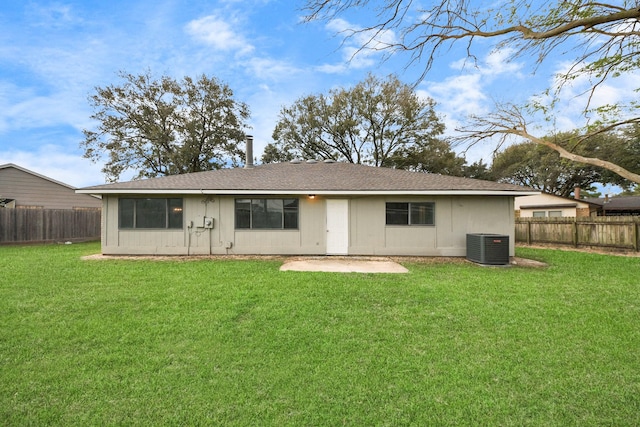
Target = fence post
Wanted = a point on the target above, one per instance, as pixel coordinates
(575, 232)
(635, 235)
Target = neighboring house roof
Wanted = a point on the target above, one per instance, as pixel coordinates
(553, 205)
(14, 166)
(550, 201)
(310, 177)
(627, 203)
(31, 189)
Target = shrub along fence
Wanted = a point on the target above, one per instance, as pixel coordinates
(615, 232)
(49, 225)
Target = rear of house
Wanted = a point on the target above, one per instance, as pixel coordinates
(303, 208)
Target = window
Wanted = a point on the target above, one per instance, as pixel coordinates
(410, 213)
(555, 214)
(269, 214)
(539, 214)
(150, 213)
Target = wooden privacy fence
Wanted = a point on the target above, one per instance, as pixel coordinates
(616, 232)
(48, 225)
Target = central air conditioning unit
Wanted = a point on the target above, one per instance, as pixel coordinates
(489, 249)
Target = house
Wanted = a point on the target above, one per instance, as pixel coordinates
(549, 205)
(617, 206)
(22, 188)
(303, 208)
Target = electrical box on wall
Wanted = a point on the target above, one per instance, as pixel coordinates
(208, 222)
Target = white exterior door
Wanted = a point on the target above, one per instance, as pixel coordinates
(337, 227)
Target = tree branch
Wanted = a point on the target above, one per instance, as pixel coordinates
(509, 121)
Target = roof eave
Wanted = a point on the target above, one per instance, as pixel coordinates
(317, 192)
(550, 205)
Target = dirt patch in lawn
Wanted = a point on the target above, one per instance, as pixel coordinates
(586, 249)
(184, 258)
(515, 261)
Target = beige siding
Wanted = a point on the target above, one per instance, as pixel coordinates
(459, 216)
(366, 225)
(309, 239)
(368, 233)
(371, 236)
(223, 238)
(454, 218)
(548, 203)
(564, 212)
(33, 191)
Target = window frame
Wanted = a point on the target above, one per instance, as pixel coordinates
(410, 214)
(172, 221)
(259, 213)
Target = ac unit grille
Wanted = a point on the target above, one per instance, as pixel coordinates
(490, 249)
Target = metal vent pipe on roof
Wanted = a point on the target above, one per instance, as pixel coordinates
(248, 161)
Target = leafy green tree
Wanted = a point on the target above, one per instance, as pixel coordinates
(631, 191)
(542, 168)
(478, 170)
(603, 37)
(164, 126)
(272, 154)
(432, 156)
(366, 124)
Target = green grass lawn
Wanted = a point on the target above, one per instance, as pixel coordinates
(237, 342)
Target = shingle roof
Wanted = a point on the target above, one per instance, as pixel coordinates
(306, 177)
(618, 203)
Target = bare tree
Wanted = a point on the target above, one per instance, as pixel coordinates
(601, 39)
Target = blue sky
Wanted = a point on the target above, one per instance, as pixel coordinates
(54, 53)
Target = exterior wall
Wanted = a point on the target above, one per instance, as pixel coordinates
(564, 212)
(584, 212)
(33, 191)
(548, 203)
(368, 234)
(222, 239)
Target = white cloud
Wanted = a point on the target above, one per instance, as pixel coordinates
(459, 95)
(361, 48)
(497, 63)
(23, 108)
(331, 68)
(219, 33)
(575, 96)
(466, 93)
(271, 69)
(470, 90)
(50, 161)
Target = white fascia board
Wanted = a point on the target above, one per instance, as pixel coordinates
(322, 192)
(154, 191)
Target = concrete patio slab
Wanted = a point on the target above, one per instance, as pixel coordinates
(343, 265)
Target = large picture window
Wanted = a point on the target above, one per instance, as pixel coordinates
(150, 213)
(274, 214)
(413, 213)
